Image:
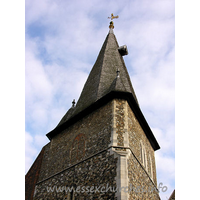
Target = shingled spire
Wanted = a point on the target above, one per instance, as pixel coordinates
(103, 75)
(102, 78)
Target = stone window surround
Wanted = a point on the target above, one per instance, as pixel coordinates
(144, 160)
(78, 139)
(151, 169)
(143, 155)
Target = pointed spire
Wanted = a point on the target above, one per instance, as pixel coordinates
(103, 78)
(104, 85)
(103, 74)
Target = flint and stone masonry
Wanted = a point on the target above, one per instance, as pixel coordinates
(103, 147)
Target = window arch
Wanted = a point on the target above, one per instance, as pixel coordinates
(146, 162)
(141, 152)
(143, 155)
(78, 148)
(150, 168)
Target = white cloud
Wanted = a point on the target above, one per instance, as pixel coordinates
(37, 80)
(163, 162)
(30, 150)
(38, 89)
(37, 10)
(166, 138)
(49, 87)
(155, 85)
(40, 140)
(33, 144)
(165, 173)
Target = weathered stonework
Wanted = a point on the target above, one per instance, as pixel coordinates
(126, 122)
(120, 121)
(96, 128)
(136, 136)
(141, 187)
(80, 155)
(101, 150)
(98, 171)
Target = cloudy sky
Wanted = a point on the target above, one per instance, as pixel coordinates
(63, 39)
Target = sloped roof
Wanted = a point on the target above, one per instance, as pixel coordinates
(103, 77)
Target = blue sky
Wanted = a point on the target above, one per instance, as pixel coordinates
(63, 39)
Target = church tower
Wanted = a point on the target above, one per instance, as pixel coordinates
(103, 148)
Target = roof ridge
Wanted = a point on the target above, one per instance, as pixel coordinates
(102, 66)
(106, 42)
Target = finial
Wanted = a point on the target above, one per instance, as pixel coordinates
(118, 73)
(73, 103)
(111, 23)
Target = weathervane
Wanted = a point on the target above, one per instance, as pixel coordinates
(111, 23)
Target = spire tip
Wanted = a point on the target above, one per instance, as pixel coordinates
(111, 23)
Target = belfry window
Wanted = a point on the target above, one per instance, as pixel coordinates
(141, 152)
(150, 168)
(143, 155)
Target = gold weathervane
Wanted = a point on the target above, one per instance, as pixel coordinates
(111, 23)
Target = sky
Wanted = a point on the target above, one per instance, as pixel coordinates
(62, 42)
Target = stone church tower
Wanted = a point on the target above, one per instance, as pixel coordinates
(102, 148)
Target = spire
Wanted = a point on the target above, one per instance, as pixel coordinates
(108, 74)
(103, 75)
